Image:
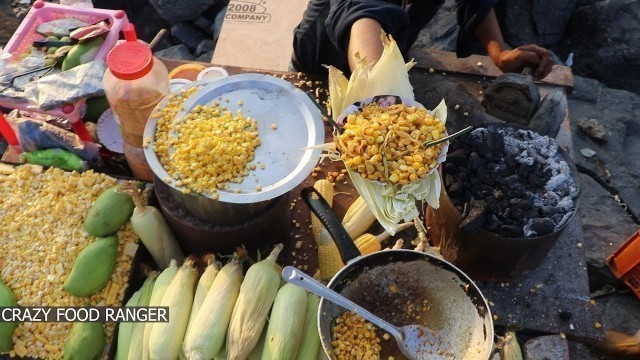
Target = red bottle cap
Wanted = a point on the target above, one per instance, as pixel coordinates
(130, 60)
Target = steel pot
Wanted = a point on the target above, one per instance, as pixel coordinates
(405, 287)
(289, 126)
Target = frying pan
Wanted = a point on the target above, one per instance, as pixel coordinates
(405, 287)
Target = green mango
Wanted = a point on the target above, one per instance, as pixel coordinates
(85, 342)
(82, 53)
(108, 213)
(93, 267)
(95, 107)
(6, 328)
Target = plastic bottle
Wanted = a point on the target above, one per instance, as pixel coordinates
(135, 82)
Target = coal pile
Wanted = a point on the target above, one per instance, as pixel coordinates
(510, 181)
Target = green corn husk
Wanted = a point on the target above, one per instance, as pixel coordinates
(137, 331)
(286, 324)
(310, 342)
(510, 349)
(125, 330)
(159, 288)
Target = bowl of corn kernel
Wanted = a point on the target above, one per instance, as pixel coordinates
(386, 138)
(229, 148)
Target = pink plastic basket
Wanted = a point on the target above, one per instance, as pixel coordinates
(42, 12)
(26, 34)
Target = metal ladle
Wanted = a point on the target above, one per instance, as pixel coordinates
(416, 342)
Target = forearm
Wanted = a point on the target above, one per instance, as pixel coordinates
(489, 34)
(364, 39)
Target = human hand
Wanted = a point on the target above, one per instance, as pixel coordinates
(529, 55)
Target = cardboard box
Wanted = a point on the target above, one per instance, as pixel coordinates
(258, 33)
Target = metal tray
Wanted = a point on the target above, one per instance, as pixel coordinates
(286, 151)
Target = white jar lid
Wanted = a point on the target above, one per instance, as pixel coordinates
(212, 73)
(175, 84)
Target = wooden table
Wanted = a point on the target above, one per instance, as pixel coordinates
(532, 303)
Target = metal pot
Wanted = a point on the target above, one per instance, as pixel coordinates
(287, 149)
(485, 255)
(405, 287)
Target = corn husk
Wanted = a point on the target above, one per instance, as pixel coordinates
(256, 353)
(286, 324)
(166, 338)
(509, 347)
(389, 76)
(137, 332)
(250, 311)
(207, 336)
(310, 342)
(159, 288)
(124, 330)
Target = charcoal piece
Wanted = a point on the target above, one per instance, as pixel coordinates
(456, 189)
(536, 181)
(497, 194)
(512, 181)
(565, 315)
(495, 141)
(524, 170)
(476, 217)
(551, 210)
(510, 231)
(517, 213)
(484, 150)
(506, 213)
(510, 161)
(522, 204)
(458, 157)
(475, 162)
(448, 180)
(541, 226)
(449, 168)
(494, 222)
(557, 218)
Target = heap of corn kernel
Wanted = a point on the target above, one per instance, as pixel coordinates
(41, 234)
(212, 147)
(386, 143)
(354, 338)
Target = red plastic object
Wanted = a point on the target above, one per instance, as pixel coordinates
(131, 59)
(625, 263)
(8, 133)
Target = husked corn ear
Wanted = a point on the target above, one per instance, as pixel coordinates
(325, 188)
(286, 324)
(368, 243)
(206, 337)
(165, 338)
(257, 292)
(137, 331)
(202, 288)
(329, 260)
(124, 330)
(358, 218)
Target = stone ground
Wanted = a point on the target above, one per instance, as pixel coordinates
(609, 174)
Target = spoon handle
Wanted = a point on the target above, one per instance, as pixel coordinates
(294, 276)
(452, 136)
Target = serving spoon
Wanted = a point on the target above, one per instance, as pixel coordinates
(415, 341)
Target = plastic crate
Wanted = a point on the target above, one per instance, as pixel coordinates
(625, 263)
(42, 12)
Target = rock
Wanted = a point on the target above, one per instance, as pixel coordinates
(205, 46)
(620, 313)
(187, 34)
(604, 37)
(607, 226)
(551, 347)
(9, 22)
(441, 31)
(593, 128)
(206, 57)
(617, 164)
(178, 52)
(551, 19)
(550, 114)
(518, 27)
(586, 152)
(176, 11)
(217, 24)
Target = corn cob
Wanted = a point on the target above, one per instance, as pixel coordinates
(286, 324)
(159, 288)
(124, 330)
(137, 331)
(204, 284)
(257, 292)
(165, 338)
(206, 337)
(368, 243)
(310, 342)
(329, 261)
(358, 218)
